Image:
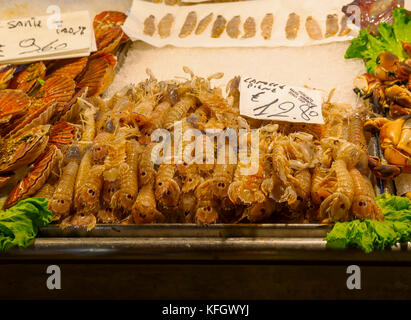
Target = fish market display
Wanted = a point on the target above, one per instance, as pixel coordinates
(120, 160)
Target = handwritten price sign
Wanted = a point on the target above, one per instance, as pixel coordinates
(31, 39)
(274, 101)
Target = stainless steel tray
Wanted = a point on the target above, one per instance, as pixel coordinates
(193, 230)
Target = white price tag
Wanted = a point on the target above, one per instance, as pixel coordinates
(269, 100)
(32, 39)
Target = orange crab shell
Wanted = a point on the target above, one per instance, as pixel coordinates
(13, 103)
(98, 76)
(399, 95)
(398, 158)
(36, 177)
(397, 111)
(109, 19)
(6, 74)
(68, 67)
(27, 80)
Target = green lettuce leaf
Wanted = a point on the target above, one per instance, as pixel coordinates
(369, 47)
(369, 235)
(19, 224)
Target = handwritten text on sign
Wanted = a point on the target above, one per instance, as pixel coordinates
(31, 39)
(274, 101)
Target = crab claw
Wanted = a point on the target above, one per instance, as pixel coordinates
(375, 123)
(396, 157)
(397, 111)
(399, 95)
(383, 171)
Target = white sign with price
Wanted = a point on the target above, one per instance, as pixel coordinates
(31, 39)
(268, 100)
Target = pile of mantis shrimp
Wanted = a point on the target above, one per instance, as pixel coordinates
(304, 172)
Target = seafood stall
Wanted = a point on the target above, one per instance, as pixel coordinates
(259, 137)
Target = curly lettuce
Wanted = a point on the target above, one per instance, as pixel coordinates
(19, 224)
(390, 38)
(369, 235)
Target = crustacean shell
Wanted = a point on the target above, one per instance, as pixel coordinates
(54, 95)
(63, 134)
(36, 177)
(98, 76)
(13, 103)
(57, 89)
(23, 149)
(108, 41)
(27, 80)
(68, 67)
(6, 74)
(109, 19)
(71, 110)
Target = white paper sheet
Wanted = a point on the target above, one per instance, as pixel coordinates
(31, 39)
(318, 9)
(269, 100)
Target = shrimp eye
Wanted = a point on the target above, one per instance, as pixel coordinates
(160, 184)
(129, 196)
(143, 173)
(322, 198)
(190, 180)
(299, 198)
(262, 210)
(342, 206)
